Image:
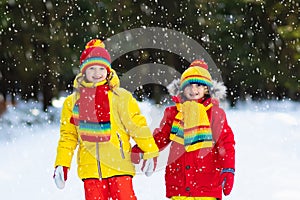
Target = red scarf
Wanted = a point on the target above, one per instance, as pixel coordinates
(92, 114)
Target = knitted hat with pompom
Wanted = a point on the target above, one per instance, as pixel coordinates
(95, 54)
(197, 73)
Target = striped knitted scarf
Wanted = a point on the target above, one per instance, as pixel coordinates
(194, 132)
(91, 113)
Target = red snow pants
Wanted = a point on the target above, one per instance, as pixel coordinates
(116, 188)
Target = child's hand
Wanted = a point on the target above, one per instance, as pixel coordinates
(149, 166)
(136, 155)
(227, 179)
(60, 176)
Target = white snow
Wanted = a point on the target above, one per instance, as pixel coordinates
(267, 154)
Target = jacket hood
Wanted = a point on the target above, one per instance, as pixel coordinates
(218, 91)
(114, 81)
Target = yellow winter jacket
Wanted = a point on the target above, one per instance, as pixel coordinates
(112, 158)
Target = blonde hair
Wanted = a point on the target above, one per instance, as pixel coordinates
(81, 77)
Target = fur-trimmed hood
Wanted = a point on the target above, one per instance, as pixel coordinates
(218, 91)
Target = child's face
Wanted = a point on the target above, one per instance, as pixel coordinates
(96, 73)
(194, 91)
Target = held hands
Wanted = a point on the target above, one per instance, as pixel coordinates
(227, 179)
(149, 166)
(60, 176)
(136, 157)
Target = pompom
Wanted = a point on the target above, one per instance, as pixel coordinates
(95, 43)
(199, 63)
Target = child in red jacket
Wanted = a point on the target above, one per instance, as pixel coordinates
(201, 162)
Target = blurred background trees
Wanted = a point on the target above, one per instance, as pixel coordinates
(254, 43)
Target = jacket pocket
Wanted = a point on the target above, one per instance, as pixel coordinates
(121, 146)
(174, 175)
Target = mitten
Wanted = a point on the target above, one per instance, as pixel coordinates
(60, 176)
(136, 155)
(227, 179)
(149, 166)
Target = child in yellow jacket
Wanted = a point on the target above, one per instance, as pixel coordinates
(100, 118)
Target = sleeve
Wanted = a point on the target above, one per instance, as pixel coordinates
(224, 138)
(68, 135)
(136, 125)
(162, 133)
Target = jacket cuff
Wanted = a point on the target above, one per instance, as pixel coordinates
(229, 170)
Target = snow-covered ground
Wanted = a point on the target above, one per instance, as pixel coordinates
(267, 154)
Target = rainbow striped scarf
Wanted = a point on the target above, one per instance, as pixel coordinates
(196, 132)
(91, 114)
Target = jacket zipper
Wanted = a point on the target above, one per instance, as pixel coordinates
(98, 161)
(121, 146)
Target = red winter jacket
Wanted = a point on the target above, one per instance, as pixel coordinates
(197, 173)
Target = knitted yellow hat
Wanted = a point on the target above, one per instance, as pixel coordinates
(197, 73)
